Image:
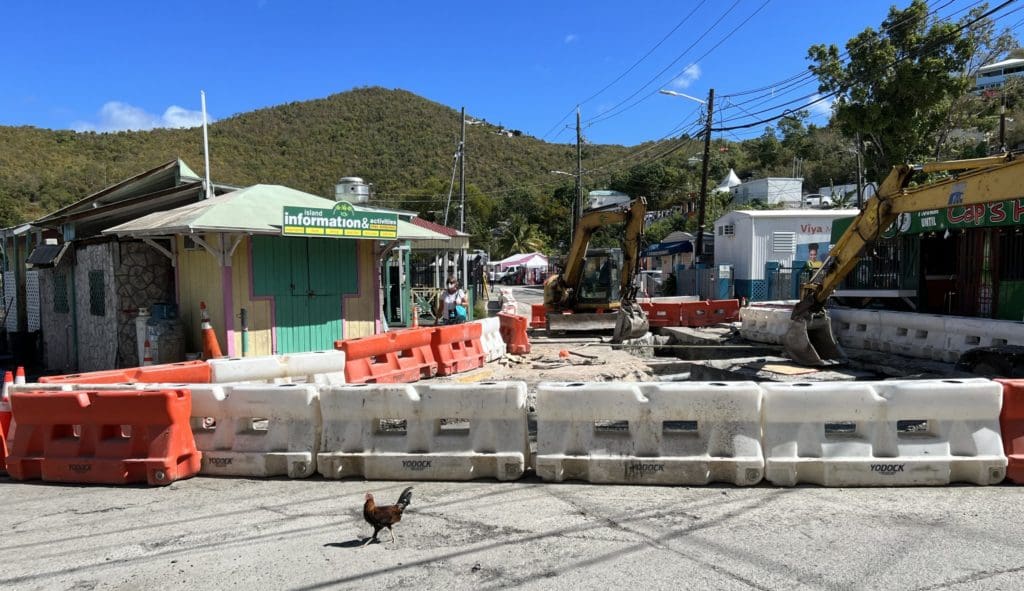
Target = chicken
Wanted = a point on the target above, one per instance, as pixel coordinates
(386, 515)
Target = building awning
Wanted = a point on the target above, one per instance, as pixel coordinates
(47, 255)
(667, 248)
(254, 210)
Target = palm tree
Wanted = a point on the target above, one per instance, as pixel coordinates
(521, 236)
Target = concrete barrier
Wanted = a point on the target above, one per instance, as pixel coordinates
(424, 431)
(763, 324)
(649, 433)
(892, 433)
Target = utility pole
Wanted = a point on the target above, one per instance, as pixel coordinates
(1002, 129)
(462, 196)
(699, 249)
(860, 176)
(577, 210)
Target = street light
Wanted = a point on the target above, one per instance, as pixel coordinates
(698, 249)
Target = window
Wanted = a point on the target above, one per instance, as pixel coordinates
(726, 230)
(60, 293)
(783, 242)
(191, 244)
(97, 294)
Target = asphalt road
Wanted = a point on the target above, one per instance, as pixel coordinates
(214, 533)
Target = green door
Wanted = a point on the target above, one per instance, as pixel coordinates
(307, 278)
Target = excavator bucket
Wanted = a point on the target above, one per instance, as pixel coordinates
(631, 323)
(810, 342)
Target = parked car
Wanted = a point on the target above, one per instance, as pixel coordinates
(507, 276)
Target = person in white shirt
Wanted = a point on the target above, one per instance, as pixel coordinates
(454, 304)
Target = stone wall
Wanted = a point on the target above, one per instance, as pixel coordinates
(58, 352)
(143, 277)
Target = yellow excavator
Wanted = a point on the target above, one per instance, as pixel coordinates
(809, 340)
(585, 296)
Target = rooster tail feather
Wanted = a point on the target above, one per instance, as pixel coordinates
(405, 498)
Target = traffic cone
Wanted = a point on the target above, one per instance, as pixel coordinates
(147, 354)
(415, 316)
(5, 406)
(19, 376)
(211, 348)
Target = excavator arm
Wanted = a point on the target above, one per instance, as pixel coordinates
(982, 180)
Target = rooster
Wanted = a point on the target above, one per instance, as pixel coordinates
(385, 516)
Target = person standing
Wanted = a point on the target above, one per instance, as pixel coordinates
(454, 304)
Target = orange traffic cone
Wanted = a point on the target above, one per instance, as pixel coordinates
(211, 348)
(415, 316)
(5, 406)
(19, 376)
(147, 354)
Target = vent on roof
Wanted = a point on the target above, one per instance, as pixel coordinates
(352, 189)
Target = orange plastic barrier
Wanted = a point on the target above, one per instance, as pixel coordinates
(457, 348)
(393, 357)
(3, 452)
(1011, 423)
(538, 316)
(186, 372)
(709, 312)
(103, 437)
(513, 332)
(660, 314)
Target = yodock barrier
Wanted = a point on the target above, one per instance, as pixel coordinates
(1011, 421)
(491, 339)
(257, 430)
(102, 437)
(424, 432)
(709, 312)
(649, 433)
(318, 367)
(893, 433)
(187, 372)
(457, 348)
(538, 316)
(662, 314)
(513, 333)
(390, 357)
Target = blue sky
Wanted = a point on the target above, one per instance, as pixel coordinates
(116, 64)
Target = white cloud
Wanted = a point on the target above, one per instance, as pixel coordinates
(118, 116)
(822, 108)
(571, 38)
(690, 75)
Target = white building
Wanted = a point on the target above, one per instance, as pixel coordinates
(995, 75)
(750, 239)
(770, 191)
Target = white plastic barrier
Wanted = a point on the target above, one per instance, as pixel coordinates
(860, 329)
(319, 367)
(650, 433)
(424, 431)
(892, 433)
(494, 346)
(256, 429)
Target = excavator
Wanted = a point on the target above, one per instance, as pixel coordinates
(809, 339)
(585, 297)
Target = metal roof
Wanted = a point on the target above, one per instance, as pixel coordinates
(254, 210)
(793, 213)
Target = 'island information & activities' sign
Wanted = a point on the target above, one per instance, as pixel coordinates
(342, 221)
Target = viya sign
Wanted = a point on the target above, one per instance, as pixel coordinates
(341, 221)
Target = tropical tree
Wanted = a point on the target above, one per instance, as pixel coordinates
(897, 83)
(520, 236)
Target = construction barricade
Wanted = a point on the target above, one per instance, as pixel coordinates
(649, 433)
(662, 314)
(1011, 422)
(513, 333)
(457, 348)
(257, 430)
(392, 357)
(709, 312)
(892, 433)
(491, 338)
(102, 437)
(424, 431)
(186, 372)
(315, 367)
(538, 316)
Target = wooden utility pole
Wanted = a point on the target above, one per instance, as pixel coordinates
(699, 248)
(577, 211)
